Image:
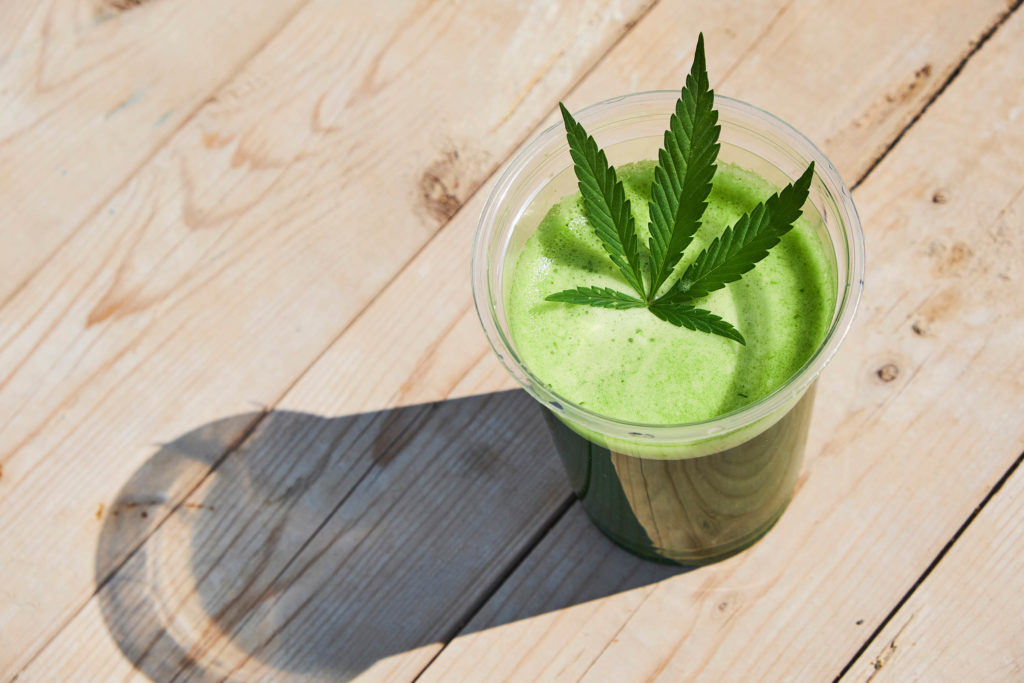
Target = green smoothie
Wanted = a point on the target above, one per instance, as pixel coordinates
(633, 366)
(630, 365)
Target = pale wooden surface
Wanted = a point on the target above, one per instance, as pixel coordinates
(269, 262)
(961, 623)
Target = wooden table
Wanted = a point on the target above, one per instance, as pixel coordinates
(249, 425)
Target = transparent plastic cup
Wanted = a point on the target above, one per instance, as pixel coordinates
(697, 492)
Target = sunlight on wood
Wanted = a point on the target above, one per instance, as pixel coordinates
(308, 411)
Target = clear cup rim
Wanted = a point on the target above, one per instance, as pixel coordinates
(849, 292)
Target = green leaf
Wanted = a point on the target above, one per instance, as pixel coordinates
(682, 179)
(602, 297)
(605, 202)
(696, 319)
(742, 246)
(679, 193)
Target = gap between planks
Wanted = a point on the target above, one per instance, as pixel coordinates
(931, 567)
(1009, 472)
(170, 133)
(269, 408)
(1013, 7)
(542, 531)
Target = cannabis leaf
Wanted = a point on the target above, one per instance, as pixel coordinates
(597, 296)
(742, 246)
(696, 319)
(682, 179)
(605, 202)
(679, 194)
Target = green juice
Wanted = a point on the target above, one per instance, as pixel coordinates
(635, 367)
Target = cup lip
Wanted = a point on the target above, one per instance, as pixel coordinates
(849, 292)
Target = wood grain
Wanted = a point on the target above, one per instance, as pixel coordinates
(850, 76)
(420, 341)
(437, 357)
(964, 622)
(917, 418)
(90, 90)
(233, 258)
(236, 559)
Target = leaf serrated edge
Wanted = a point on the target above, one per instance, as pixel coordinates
(691, 142)
(604, 199)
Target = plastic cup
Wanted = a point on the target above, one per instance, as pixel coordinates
(697, 492)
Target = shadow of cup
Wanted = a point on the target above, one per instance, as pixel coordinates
(206, 592)
(322, 546)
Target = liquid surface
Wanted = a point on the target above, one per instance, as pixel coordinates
(631, 365)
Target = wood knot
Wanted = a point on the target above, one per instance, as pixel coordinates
(438, 186)
(952, 260)
(214, 140)
(396, 429)
(115, 6)
(908, 89)
(483, 460)
(959, 253)
(888, 372)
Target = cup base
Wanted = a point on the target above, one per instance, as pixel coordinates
(697, 557)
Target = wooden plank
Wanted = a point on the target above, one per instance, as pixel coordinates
(89, 90)
(420, 341)
(963, 623)
(917, 418)
(575, 575)
(216, 276)
(849, 90)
